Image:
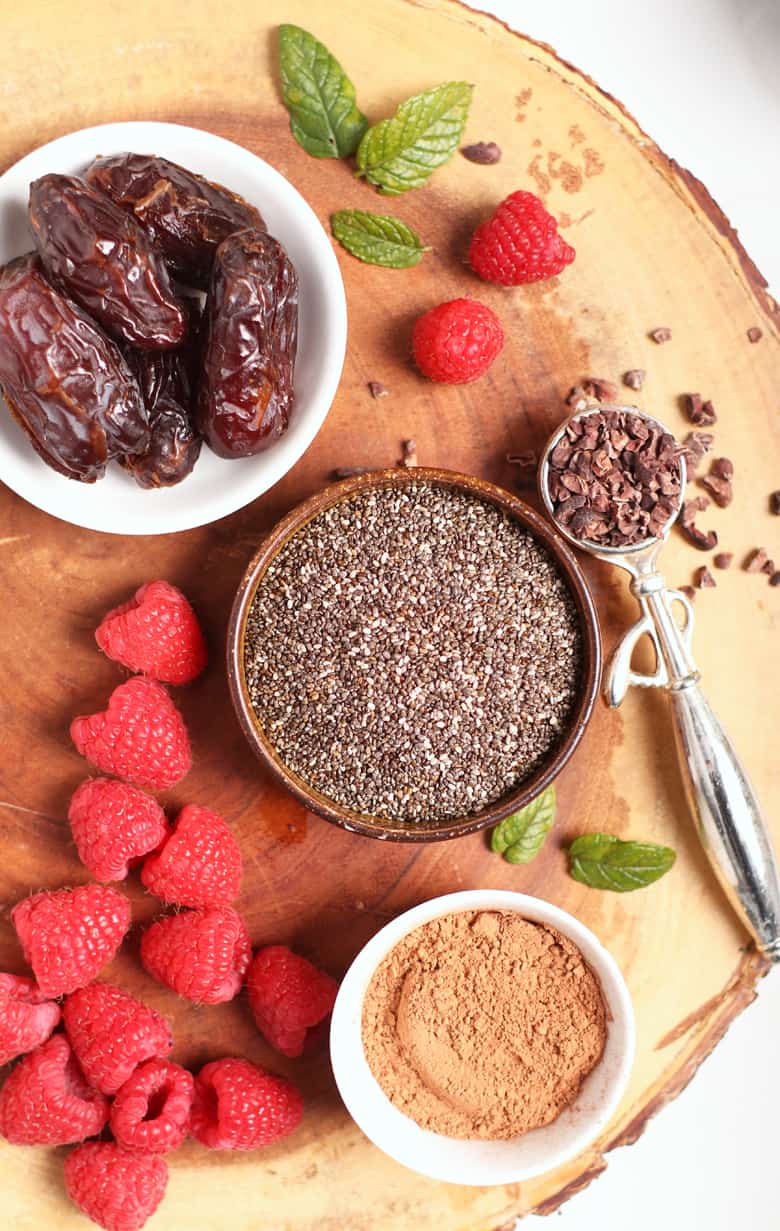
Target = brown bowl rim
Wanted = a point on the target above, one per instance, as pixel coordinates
(321, 805)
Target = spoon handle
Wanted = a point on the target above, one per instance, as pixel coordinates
(728, 817)
(722, 801)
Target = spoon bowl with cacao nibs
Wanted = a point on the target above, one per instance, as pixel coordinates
(611, 479)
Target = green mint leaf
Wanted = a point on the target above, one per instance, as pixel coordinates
(320, 97)
(398, 154)
(520, 837)
(378, 239)
(605, 862)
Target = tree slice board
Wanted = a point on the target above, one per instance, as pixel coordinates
(653, 250)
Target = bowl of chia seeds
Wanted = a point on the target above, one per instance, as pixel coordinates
(414, 654)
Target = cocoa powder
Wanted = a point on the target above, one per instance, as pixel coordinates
(483, 1024)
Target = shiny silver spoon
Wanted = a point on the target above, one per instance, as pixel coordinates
(722, 801)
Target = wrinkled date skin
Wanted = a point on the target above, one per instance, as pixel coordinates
(166, 380)
(104, 261)
(65, 382)
(186, 216)
(246, 388)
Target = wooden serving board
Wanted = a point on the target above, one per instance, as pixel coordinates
(653, 250)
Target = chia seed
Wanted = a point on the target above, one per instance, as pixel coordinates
(413, 653)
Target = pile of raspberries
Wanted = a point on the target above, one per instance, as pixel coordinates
(108, 1068)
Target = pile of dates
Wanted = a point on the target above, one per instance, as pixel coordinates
(155, 313)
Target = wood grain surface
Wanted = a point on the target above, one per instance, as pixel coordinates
(652, 250)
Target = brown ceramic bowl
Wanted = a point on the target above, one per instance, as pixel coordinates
(418, 831)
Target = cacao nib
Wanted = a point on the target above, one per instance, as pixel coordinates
(408, 453)
(704, 579)
(755, 334)
(634, 378)
(377, 389)
(483, 152)
(774, 580)
(756, 560)
(697, 446)
(723, 559)
(661, 335)
(774, 503)
(688, 591)
(700, 413)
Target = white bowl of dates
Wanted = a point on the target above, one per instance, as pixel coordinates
(414, 654)
(172, 327)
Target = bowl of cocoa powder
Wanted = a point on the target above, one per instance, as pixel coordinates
(414, 654)
(482, 1037)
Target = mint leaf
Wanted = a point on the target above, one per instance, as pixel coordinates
(398, 154)
(378, 239)
(320, 97)
(520, 837)
(605, 862)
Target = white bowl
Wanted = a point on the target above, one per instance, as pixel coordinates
(481, 1162)
(217, 486)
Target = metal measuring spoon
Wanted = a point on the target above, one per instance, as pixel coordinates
(722, 801)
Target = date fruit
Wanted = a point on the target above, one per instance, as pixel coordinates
(246, 389)
(166, 380)
(65, 382)
(185, 215)
(104, 261)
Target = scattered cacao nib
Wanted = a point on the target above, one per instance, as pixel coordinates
(484, 152)
(634, 378)
(614, 478)
(349, 472)
(697, 446)
(661, 335)
(688, 591)
(718, 481)
(577, 398)
(526, 460)
(700, 413)
(703, 540)
(769, 568)
(377, 389)
(408, 453)
(598, 388)
(774, 503)
(755, 334)
(723, 559)
(703, 579)
(756, 560)
(774, 580)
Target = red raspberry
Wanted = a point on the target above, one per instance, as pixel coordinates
(46, 1101)
(115, 1188)
(141, 737)
(239, 1107)
(202, 954)
(156, 633)
(199, 865)
(27, 1018)
(457, 342)
(519, 243)
(114, 825)
(289, 997)
(111, 1033)
(69, 936)
(151, 1112)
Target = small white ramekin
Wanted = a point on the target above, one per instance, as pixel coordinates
(481, 1162)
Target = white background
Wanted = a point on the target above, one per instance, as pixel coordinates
(702, 77)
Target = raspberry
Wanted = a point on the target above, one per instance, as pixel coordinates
(141, 737)
(111, 1033)
(288, 996)
(457, 342)
(115, 1188)
(46, 1100)
(27, 1018)
(151, 1112)
(156, 633)
(70, 935)
(114, 825)
(199, 865)
(202, 954)
(519, 243)
(239, 1107)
